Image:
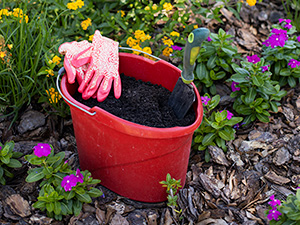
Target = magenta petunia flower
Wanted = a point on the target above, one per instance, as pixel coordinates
(176, 48)
(0, 148)
(205, 100)
(41, 150)
(274, 202)
(234, 87)
(265, 68)
(209, 39)
(68, 182)
(253, 59)
(293, 63)
(274, 214)
(288, 26)
(285, 20)
(298, 38)
(79, 176)
(278, 38)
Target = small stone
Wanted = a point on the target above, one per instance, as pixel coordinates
(264, 137)
(281, 157)
(275, 16)
(30, 121)
(262, 16)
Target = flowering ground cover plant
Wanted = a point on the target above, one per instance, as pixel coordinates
(254, 91)
(8, 159)
(63, 191)
(282, 51)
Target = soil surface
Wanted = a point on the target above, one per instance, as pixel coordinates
(141, 102)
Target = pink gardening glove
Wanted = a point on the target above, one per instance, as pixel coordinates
(70, 50)
(103, 69)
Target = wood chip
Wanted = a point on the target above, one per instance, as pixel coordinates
(274, 178)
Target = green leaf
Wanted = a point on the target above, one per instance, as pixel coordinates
(14, 163)
(198, 139)
(242, 71)
(211, 63)
(1, 172)
(233, 121)
(210, 50)
(238, 78)
(35, 175)
(262, 118)
(258, 81)
(50, 206)
(208, 139)
(285, 72)
(274, 107)
(250, 96)
(201, 71)
(207, 156)
(230, 50)
(94, 192)
(227, 133)
(84, 198)
(39, 204)
(77, 206)
(292, 81)
(69, 194)
(57, 207)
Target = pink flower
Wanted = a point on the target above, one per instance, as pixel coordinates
(253, 59)
(41, 150)
(278, 38)
(285, 20)
(293, 63)
(234, 87)
(68, 182)
(288, 26)
(205, 100)
(298, 38)
(79, 176)
(265, 68)
(176, 48)
(274, 202)
(209, 39)
(273, 214)
(0, 147)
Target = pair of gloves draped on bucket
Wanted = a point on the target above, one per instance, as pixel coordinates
(95, 66)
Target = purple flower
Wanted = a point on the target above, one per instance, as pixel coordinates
(42, 150)
(278, 38)
(298, 38)
(274, 202)
(205, 100)
(273, 214)
(265, 68)
(176, 48)
(0, 147)
(237, 126)
(229, 114)
(294, 63)
(253, 59)
(68, 182)
(288, 26)
(209, 39)
(234, 87)
(285, 20)
(79, 176)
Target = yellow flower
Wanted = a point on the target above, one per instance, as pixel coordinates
(147, 8)
(54, 95)
(251, 2)
(56, 59)
(4, 12)
(2, 54)
(122, 13)
(167, 51)
(147, 50)
(10, 46)
(154, 7)
(91, 37)
(131, 42)
(50, 72)
(17, 12)
(138, 34)
(72, 5)
(86, 23)
(145, 37)
(174, 33)
(167, 41)
(196, 26)
(138, 48)
(167, 6)
(80, 3)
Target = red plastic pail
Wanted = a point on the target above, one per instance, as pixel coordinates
(131, 159)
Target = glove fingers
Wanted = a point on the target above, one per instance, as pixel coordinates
(117, 87)
(77, 62)
(104, 89)
(71, 72)
(92, 87)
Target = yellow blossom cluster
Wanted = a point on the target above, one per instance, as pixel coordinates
(154, 7)
(167, 41)
(139, 36)
(167, 51)
(50, 72)
(86, 23)
(55, 60)
(167, 6)
(174, 34)
(122, 13)
(74, 5)
(16, 12)
(251, 2)
(54, 96)
(5, 55)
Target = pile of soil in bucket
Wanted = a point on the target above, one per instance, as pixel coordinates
(142, 103)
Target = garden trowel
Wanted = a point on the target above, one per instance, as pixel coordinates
(183, 95)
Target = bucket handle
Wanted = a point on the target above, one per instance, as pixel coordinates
(63, 71)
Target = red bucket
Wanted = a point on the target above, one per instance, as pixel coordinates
(131, 159)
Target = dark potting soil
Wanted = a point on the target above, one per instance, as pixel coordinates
(142, 103)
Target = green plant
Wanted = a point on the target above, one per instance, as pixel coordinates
(280, 50)
(255, 93)
(172, 186)
(216, 127)
(215, 61)
(63, 191)
(284, 212)
(8, 159)
(292, 9)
